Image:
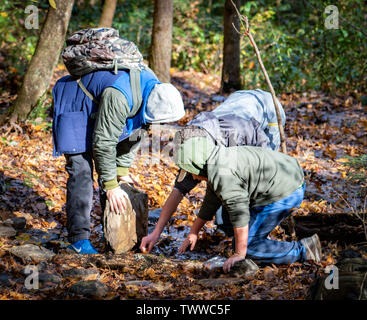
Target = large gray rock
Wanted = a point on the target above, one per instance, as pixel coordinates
(31, 253)
(17, 223)
(244, 268)
(49, 278)
(91, 289)
(7, 232)
(123, 231)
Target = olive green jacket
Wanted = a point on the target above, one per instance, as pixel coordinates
(243, 177)
(111, 157)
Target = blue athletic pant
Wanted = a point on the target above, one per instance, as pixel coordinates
(263, 220)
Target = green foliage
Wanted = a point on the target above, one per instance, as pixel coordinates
(133, 19)
(197, 36)
(299, 52)
(18, 43)
(358, 168)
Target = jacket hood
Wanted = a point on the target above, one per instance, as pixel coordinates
(208, 121)
(193, 154)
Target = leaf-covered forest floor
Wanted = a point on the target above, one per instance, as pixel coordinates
(321, 130)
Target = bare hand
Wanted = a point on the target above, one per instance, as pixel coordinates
(231, 261)
(148, 241)
(190, 240)
(117, 199)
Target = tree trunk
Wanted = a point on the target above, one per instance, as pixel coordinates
(161, 48)
(108, 11)
(38, 76)
(231, 49)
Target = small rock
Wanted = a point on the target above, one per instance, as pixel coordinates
(244, 268)
(49, 277)
(31, 252)
(218, 98)
(17, 223)
(85, 274)
(269, 273)
(90, 288)
(4, 280)
(6, 231)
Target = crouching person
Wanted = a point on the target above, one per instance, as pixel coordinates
(258, 187)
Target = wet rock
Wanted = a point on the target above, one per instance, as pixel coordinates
(123, 231)
(4, 280)
(40, 237)
(154, 215)
(220, 282)
(244, 268)
(49, 278)
(7, 232)
(214, 263)
(269, 273)
(218, 98)
(90, 289)
(31, 253)
(17, 223)
(85, 274)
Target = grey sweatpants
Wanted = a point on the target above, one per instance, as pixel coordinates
(79, 196)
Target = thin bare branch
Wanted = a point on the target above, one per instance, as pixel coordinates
(245, 25)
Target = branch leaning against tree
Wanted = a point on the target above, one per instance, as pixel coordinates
(247, 33)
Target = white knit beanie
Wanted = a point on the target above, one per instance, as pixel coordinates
(164, 104)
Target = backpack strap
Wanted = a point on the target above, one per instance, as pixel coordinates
(136, 91)
(87, 93)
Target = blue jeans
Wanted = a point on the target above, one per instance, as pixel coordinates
(263, 220)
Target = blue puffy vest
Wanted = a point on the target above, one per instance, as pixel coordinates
(74, 112)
